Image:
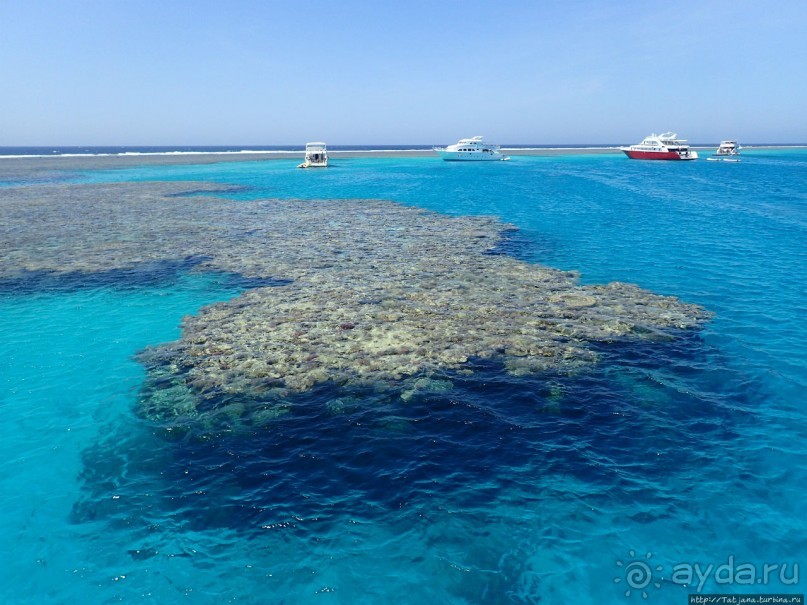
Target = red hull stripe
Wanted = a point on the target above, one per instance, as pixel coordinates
(651, 155)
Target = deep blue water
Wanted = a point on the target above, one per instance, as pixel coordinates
(503, 490)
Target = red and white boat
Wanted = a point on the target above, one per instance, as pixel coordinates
(661, 147)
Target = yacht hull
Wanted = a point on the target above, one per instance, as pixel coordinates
(308, 164)
(659, 155)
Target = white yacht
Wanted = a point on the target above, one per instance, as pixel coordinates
(665, 146)
(316, 156)
(726, 152)
(473, 149)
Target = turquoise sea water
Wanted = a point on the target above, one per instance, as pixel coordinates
(540, 489)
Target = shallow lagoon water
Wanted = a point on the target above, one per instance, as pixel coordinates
(500, 490)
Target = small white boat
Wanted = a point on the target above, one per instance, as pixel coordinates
(665, 146)
(316, 156)
(469, 150)
(726, 152)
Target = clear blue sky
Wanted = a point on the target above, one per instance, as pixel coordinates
(176, 72)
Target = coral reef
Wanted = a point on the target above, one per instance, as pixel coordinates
(377, 295)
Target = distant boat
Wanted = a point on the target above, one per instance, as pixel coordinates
(316, 156)
(470, 150)
(726, 152)
(665, 146)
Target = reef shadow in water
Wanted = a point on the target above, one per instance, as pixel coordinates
(524, 245)
(222, 190)
(138, 275)
(152, 273)
(331, 454)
